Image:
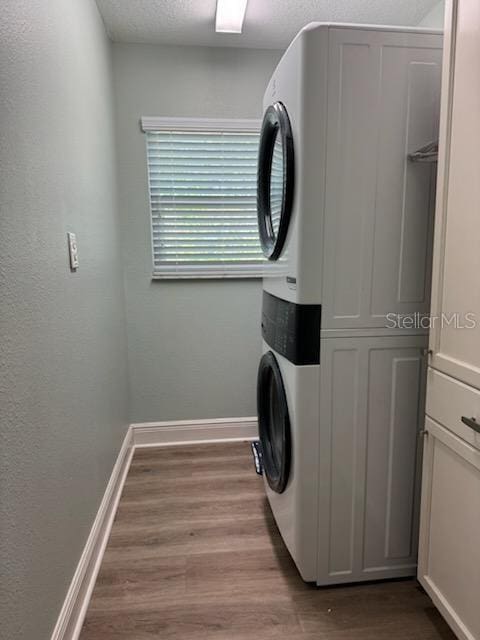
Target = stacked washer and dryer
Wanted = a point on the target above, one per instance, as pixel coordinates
(345, 219)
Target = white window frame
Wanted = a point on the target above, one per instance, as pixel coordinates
(240, 125)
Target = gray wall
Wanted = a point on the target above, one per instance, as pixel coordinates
(435, 17)
(193, 345)
(63, 383)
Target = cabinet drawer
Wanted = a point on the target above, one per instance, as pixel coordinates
(448, 400)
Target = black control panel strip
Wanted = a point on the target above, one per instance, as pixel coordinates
(292, 330)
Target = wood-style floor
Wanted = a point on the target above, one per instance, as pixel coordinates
(194, 554)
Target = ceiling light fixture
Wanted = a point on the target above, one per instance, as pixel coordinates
(230, 15)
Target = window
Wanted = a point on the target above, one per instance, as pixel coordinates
(202, 177)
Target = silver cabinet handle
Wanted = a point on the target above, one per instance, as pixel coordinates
(472, 423)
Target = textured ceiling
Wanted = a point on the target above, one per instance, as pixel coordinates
(269, 24)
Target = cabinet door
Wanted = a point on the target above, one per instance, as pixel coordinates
(383, 103)
(456, 280)
(371, 407)
(449, 555)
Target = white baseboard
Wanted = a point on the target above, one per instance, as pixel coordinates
(74, 608)
(155, 434)
(146, 434)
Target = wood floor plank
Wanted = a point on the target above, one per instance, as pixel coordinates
(136, 584)
(161, 510)
(238, 573)
(337, 614)
(198, 537)
(194, 553)
(186, 486)
(207, 620)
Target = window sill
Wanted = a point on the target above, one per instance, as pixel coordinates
(208, 275)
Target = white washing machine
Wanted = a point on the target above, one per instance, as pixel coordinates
(345, 219)
(287, 389)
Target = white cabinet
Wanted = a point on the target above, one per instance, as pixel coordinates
(449, 551)
(449, 559)
(456, 268)
(371, 413)
(383, 103)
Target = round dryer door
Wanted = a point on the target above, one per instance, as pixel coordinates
(274, 423)
(275, 182)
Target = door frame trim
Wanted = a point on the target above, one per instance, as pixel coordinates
(445, 136)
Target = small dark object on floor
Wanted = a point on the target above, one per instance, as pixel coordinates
(257, 457)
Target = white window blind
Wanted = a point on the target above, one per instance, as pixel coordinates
(202, 187)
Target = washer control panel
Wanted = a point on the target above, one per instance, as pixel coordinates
(292, 330)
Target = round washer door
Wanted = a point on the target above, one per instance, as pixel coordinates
(274, 423)
(275, 180)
